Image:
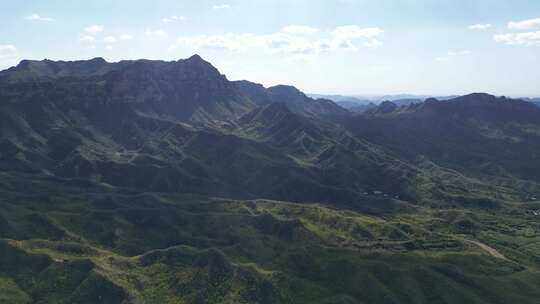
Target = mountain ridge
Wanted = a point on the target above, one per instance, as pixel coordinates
(292, 97)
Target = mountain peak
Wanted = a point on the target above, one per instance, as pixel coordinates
(198, 62)
(478, 97)
(484, 99)
(25, 63)
(196, 59)
(286, 90)
(99, 60)
(247, 83)
(295, 100)
(385, 107)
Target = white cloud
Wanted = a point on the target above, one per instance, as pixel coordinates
(354, 32)
(451, 54)
(8, 55)
(373, 44)
(526, 38)
(7, 50)
(221, 6)
(343, 37)
(173, 19)
(126, 37)
(228, 41)
(108, 47)
(299, 29)
(109, 39)
(156, 33)
(480, 26)
(271, 44)
(36, 17)
(87, 38)
(524, 24)
(288, 44)
(285, 42)
(530, 38)
(94, 29)
(344, 45)
(459, 53)
(324, 45)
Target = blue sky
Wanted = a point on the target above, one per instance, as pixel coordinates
(355, 47)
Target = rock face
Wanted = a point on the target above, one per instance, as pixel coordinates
(190, 90)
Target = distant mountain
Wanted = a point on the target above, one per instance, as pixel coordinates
(394, 103)
(366, 99)
(477, 133)
(386, 107)
(356, 107)
(343, 99)
(401, 99)
(406, 102)
(410, 98)
(362, 104)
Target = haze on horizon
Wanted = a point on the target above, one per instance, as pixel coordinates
(348, 47)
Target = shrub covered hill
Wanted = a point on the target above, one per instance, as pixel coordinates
(164, 182)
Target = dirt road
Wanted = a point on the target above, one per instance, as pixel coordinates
(493, 252)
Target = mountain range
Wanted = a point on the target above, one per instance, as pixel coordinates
(163, 182)
(361, 104)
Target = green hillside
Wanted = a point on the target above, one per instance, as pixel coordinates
(163, 182)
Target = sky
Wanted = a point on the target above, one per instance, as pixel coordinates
(349, 47)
